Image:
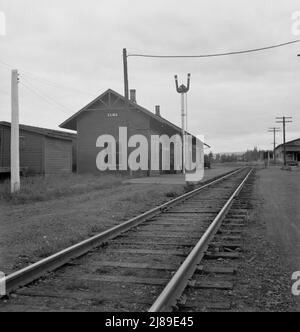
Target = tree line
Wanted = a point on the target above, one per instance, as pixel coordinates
(248, 156)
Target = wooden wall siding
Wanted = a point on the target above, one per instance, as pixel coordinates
(94, 123)
(31, 155)
(58, 156)
(104, 117)
(295, 146)
(2, 164)
(292, 150)
(5, 156)
(74, 155)
(292, 147)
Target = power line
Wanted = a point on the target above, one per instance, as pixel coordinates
(43, 95)
(54, 84)
(216, 54)
(34, 76)
(6, 64)
(46, 98)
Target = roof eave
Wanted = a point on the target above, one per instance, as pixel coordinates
(71, 123)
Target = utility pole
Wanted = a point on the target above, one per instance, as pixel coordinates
(14, 147)
(274, 130)
(126, 82)
(183, 90)
(284, 120)
(126, 91)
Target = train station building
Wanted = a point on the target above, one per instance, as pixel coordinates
(104, 116)
(292, 151)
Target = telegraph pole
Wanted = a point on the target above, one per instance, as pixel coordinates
(14, 149)
(183, 90)
(274, 130)
(126, 91)
(284, 120)
(126, 81)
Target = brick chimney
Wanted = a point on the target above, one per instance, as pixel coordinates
(133, 96)
(157, 110)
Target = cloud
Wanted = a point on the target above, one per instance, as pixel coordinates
(233, 100)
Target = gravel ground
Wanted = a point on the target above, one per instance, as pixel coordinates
(271, 244)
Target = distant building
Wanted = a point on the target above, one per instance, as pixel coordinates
(42, 151)
(292, 151)
(104, 116)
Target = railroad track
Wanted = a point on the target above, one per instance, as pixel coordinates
(154, 262)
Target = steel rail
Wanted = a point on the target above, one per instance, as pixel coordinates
(51, 263)
(173, 291)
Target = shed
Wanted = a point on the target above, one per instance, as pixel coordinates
(292, 151)
(42, 151)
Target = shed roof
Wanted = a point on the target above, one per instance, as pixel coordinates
(287, 143)
(43, 131)
(71, 122)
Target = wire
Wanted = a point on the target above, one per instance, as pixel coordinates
(53, 84)
(6, 64)
(48, 99)
(43, 95)
(34, 76)
(217, 54)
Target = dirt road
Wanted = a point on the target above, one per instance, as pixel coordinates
(279, 192)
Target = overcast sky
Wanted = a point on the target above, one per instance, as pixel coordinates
(77, 45)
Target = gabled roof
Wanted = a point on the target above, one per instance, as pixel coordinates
(287, 143)
(71, 122)
(43, 131)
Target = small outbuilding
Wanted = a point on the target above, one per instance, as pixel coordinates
(42, 151)
(292, 152)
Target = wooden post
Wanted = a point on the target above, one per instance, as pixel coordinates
(126, 93)
(14, 150)
(274, 130)
(284, 120)
(126, 82)
(284, 143)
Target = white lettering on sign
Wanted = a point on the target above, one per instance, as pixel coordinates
(296, 24)
(112, 115)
